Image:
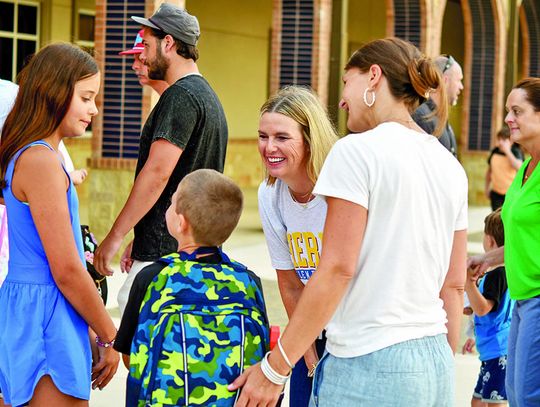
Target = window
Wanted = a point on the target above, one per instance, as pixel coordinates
(408, 21)
(19, 35)
(532, 16)
(482, 76)
(296, 42)
(85, 24)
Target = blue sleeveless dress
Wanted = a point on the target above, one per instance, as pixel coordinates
(40, 332)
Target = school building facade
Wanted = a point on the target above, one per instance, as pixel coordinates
(250, 48)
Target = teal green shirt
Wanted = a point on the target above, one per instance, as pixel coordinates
(521, 219)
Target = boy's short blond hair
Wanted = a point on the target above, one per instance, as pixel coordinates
(493, 226)
(212, 203)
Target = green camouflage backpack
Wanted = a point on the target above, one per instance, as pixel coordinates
(200, 326)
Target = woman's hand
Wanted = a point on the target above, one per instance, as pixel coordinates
(482, 263)
(468, 346)
(104, 370)
(256, 390)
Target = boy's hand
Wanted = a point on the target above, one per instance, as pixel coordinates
(78, 176)
(472, 275)
(468, 346)
(478, 265)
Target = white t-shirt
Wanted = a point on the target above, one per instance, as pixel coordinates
(68, 162)
(415, 192)
(293, 231)
(8, 94)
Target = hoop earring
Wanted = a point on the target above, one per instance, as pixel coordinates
(369, 104)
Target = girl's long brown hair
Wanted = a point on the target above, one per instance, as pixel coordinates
(46, 87)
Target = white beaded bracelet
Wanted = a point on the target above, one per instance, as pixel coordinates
(280, 346)
(271, 374)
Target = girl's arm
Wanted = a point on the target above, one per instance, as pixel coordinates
(40, 181)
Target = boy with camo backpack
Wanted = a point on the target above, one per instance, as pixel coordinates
(195, 319)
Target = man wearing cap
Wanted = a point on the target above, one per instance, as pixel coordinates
(425, 117)
(185, 131)
(141, 69)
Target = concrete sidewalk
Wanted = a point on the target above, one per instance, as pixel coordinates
(248, 246)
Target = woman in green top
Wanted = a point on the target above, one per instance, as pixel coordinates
(521, 252)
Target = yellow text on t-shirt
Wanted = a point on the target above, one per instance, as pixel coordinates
(304, 248)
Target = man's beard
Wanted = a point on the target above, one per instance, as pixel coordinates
(158, 67)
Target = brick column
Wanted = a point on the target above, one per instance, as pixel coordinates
(275, 55)
(321, 48)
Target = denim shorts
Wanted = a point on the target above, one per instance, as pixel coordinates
(418, 372)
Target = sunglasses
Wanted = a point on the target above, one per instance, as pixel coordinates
(449, 62)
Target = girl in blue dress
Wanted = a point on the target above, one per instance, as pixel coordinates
(48, 299)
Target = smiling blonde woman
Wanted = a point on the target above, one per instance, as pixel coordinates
(295, 136)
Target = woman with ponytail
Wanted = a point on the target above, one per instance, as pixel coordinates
(392, 268)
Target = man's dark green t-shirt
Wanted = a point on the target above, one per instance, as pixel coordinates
(190, 116)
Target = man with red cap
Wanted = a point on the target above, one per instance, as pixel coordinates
(186, 130)
(140, 69)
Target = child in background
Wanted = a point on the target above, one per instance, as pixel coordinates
(492, 306)
(194, 319)
(503, 162)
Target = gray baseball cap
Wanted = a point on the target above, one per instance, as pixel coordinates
(175, 21)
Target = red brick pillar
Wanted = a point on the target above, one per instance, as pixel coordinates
(301, 44)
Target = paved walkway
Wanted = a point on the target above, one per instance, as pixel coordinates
(247, 245)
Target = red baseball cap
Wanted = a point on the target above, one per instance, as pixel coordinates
(138, 46)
